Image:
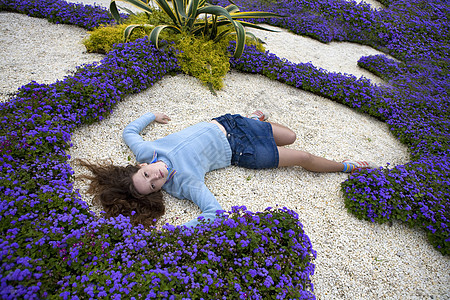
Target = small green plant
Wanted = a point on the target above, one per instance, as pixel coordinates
(186, 18)
(102, 39)
(204, 60)
(200, 57)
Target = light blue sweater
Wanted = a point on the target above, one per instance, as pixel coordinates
(192, 152)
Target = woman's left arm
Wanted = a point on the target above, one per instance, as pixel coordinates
(206, 201)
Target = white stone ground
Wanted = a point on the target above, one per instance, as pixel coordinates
(356, 259)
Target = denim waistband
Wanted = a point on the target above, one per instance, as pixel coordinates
(251, 142)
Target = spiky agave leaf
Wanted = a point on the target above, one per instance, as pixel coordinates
(129, 30)
(232, 8)
(245, 24)
(154, 35)
(165, 7)
(137, 3)
(180, 11)
(254, 15)
(185, 17)
(240, 31)
(192, 11)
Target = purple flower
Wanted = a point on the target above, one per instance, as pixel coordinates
(53, 243)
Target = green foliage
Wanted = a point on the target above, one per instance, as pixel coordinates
(200, 57)
(185, 18)
(203, 59)
(102, 39)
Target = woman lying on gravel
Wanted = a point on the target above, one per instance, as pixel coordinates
(178, 163)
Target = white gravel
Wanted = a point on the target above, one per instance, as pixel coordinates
(356, 259)
(32, 49)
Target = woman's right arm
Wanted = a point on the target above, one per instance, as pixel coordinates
(131, 133)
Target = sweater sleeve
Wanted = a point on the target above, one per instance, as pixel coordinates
(131, 132)
(206, 201)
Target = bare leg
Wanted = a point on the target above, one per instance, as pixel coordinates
(282, 134)
(291, 157)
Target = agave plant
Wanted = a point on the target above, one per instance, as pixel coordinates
(185, 16)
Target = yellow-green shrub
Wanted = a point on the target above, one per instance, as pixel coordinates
(205, 60)
(198, 57)
(104, 37)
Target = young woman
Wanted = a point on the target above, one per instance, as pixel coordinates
(178, 163)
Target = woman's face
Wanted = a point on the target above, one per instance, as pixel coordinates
(150, 177)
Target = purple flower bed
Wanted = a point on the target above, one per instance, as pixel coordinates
(407, 29)
(51, 244)
(418, 192)
(415, 103)
(61, 12)
(382, 66)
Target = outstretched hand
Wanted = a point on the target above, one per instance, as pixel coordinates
(162, 118)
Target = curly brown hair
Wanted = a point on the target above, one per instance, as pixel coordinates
(113, 189)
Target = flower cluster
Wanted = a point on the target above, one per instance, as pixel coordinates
(347, 89)
(61, 12)
(244, 255)
(415, 103)
(52, 243)
(382, 66)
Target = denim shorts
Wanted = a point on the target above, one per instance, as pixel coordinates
(251, 141)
